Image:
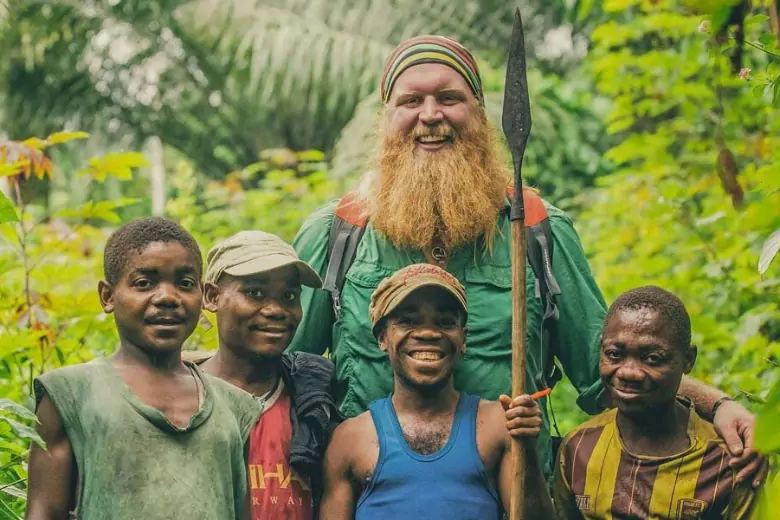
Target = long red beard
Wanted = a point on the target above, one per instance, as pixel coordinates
(454, 193)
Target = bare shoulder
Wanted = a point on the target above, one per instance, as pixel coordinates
(356, 431)
(491, 419)
(492, 436)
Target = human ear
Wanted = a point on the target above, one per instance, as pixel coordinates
(106, 294)
(211, 296)
(690, 358)
(381, 337)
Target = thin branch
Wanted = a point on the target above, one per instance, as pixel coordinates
(25, 257)
(762, 49)
(11, 484)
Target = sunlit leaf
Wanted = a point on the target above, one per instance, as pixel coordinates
(768, 423)
(8, 170)
(769, 251)
(17, 409)
(13, 491)
(119, 165)
(23, 431)
(64, 137)
(34, 142)
(7, 210)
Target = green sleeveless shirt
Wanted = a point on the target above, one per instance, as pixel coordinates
(134, 464)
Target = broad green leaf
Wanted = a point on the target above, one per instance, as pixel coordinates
(15, 408)
(23, 431)
(64, 137)
(766, 506)
(768, 423)
(767, 39)
(584, 9)
(756, 19)
(769, 251)
(7, 210)
(776, 90)
(13, 491)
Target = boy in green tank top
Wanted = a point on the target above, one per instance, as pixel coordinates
(142, 434)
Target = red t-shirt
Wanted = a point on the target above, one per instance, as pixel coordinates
(277, 492)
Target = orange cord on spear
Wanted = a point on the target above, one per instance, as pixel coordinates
(541, 393)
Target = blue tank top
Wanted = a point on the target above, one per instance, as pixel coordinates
(449, 484)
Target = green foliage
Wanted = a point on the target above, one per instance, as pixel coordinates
(668, 215)
(222, 80)
(51, 314)
(692, 154)
(688, 206)
(7, 211)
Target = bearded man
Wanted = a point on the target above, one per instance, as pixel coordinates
(437, 193)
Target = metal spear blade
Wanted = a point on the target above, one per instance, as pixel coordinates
(516, 118)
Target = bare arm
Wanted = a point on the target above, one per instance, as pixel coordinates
(735, 424)
(703, 396)
(52, 472)
(339, 495)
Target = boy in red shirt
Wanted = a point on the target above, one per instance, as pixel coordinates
(253, 284)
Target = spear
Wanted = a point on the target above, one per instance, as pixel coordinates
(516, 123)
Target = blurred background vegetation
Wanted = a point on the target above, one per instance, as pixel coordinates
(654, 124)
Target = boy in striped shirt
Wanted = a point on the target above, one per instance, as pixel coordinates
(652, 456)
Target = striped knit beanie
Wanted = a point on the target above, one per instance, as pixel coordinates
(431, 49)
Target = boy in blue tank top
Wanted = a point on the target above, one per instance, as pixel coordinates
(428, 451)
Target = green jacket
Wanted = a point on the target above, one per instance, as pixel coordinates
(363, 371)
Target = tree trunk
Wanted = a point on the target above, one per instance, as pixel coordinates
(157, 160)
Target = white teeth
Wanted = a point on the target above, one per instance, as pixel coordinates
(426, 356)
(431, 139)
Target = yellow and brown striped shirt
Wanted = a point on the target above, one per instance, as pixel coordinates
(597, 478)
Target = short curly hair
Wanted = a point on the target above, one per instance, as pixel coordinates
(669, 306)
(134, 236)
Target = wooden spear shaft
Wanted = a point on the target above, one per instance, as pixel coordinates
(516, 123)
(517, 496)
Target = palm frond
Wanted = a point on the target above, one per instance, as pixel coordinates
(222, 79)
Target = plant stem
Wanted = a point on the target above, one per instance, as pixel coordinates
(762, 49)
(25, 257)
(11, 484)
(10, 511)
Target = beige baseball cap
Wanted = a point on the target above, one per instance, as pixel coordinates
(392, 291)
(252, 252)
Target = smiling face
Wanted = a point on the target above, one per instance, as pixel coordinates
(424, 337)
(439, 170)
(640, 363)
(432, 105)
(157, 298)
(257, 315)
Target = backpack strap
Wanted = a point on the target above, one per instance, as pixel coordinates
(349, 223)
(539, 247)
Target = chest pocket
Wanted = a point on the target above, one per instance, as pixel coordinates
(354, 326)
(489, 297)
